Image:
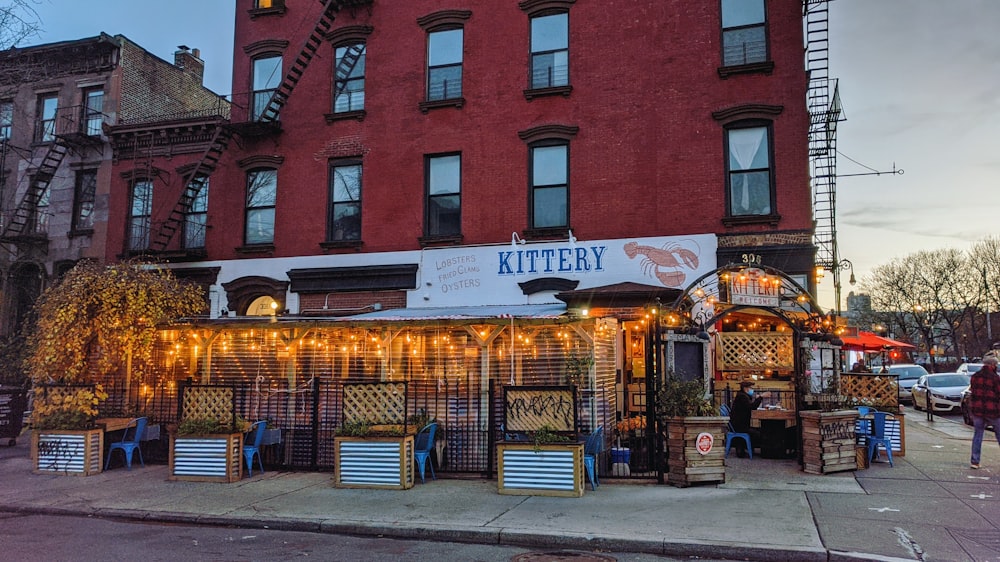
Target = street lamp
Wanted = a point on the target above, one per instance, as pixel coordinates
(837, 267)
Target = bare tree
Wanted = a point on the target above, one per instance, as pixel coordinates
(984, 266)
(926, 295)
(18, 22)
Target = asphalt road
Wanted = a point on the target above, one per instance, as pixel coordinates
(31, 538)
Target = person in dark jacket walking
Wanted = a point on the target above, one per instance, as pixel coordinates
(984, 405)
(739, 416)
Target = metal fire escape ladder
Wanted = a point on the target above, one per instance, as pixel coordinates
(40, 181)
(195, 181)
(823, 101)
(281, 95)
(193, 184)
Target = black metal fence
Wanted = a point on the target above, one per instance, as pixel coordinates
(308, 415)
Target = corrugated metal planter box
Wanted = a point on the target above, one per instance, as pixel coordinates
(552, 469)
(76, 453)
(374, 462)
(207, 458)
(685, 464)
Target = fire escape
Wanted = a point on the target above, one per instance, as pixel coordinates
(266, 124)
(74, 128)
(823, 102)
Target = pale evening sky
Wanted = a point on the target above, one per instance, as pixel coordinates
(919, 83)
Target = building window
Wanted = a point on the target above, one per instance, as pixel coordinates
(262, 193)
(349, 87)
(140, 210)
(266, 79)
(93, 110)
(444, 195)
(744, 38)
(196, 218)
(263, 4)
(549, 186)
(83, 199)
(6, 119)
(750, 190)
(444, 64)
(345, 202)
(550, 51)
(47, 106)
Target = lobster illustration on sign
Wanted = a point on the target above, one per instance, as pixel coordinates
(664, 263)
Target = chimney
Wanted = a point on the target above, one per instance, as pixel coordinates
(187, 59)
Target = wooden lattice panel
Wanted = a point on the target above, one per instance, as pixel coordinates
(754, 351)
(376, 403)
(528, 409)
(876, 389)
(211, 403)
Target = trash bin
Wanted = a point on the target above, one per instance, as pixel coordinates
(13, 401)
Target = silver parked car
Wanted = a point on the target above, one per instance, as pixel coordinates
(908, 374)
(943, 390)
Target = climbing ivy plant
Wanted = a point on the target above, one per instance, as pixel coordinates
(98, 319)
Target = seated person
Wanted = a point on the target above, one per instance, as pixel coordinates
(739, 416)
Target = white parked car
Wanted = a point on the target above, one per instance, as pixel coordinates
(908, 374)
(944, 390)
(969, 368)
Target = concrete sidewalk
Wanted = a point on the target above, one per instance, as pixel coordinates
(930, 506)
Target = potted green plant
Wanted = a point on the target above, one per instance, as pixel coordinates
(64, 439)
(695, 432)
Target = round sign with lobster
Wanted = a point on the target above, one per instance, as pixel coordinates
(704, 442)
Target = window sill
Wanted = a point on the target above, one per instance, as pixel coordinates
(765, 67)
(80, 232)
(771, 220)
(426, 106)
(426, 241)
(533, 93)
(341, 244)
(277, 10)
(255, 249)
(561, 232)
(345, 116)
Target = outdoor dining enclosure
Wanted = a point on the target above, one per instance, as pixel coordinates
(292, 373)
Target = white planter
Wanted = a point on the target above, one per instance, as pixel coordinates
(374, 462)
(554, 469)
(77, 453)
(207, 458)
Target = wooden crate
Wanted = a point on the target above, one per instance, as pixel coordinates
(374, 462)
(828, 441)
(686, 465)
(551, 469)
(206, 458)
(69, 452)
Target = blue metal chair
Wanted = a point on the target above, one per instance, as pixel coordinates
(862, 427)
(129, 443)
(256, 435)
(591, 450)
(422, 448)
(731, 433)
(878, 437)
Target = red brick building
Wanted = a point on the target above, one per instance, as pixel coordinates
(518, 178)
(55, 162)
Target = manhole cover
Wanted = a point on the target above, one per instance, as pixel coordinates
(562, 555)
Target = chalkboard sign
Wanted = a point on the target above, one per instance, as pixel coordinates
(689, 360)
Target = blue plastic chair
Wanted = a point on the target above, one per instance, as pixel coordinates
(256, 434)
(129, 443)
(591, 450)
(422, 448)
(862, 428)
(878, 438)
(731, 433)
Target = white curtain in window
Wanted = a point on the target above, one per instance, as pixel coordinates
(743, 146)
